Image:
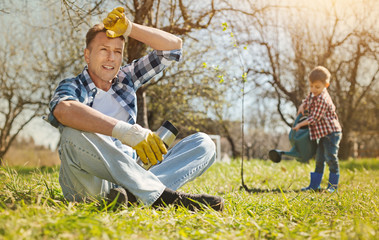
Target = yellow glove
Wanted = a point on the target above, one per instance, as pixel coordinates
(148, 145)
(151, 149)
(117, 24)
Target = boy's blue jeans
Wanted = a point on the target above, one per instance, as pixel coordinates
(327, 151)
(92, 164)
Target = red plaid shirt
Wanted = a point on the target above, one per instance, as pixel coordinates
(322, 116)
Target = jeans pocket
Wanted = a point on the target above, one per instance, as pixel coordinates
(68, 153)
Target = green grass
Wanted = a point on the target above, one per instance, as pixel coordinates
(32, 207)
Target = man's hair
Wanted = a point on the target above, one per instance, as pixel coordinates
(93, 31)
(321, 74)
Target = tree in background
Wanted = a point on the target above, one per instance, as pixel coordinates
(285, 42)
(21, 97)
(34, 58)
(282, 42)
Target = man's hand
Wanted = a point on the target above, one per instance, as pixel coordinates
(117, 24)
(148, 145)
(151, 149)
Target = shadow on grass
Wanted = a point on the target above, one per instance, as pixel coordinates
(273, 190)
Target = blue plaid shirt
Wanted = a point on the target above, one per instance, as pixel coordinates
(128, 80)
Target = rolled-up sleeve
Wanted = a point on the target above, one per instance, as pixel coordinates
(67, 90)
(143, 69)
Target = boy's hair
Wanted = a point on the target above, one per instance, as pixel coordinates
(321, 74)
(93, 31)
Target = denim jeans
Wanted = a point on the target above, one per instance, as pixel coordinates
(92, 164)
(327, 151)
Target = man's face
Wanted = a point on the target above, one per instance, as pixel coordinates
(104, 57)
(317, 87)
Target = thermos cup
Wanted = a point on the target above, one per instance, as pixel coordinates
(167, 132)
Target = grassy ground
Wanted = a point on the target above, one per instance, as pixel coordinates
(32, 207)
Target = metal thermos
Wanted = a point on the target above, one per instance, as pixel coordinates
(167, 132)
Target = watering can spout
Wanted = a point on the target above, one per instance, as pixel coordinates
(293, 153)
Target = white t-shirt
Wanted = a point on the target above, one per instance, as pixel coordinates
(105, 103)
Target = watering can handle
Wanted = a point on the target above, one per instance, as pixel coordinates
(297, 119)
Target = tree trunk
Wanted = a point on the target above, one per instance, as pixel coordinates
(142, 108)
(345, 146)
(235, 153)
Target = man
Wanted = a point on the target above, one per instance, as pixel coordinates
(100, 140)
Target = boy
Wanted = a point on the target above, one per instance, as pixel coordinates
(323, 126)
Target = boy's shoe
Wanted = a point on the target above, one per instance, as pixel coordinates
(190, 201)
(333, 182)
(315, 182)
(331, 190)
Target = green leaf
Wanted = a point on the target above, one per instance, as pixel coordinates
(244, 76)
(225, 26)
(221, 77)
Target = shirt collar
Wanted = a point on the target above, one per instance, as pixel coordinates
(89, 84)
(320, 95)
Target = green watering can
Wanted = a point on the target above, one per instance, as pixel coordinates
(303, 148)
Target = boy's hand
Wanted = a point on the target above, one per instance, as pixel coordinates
(300, 125)
(301, 109)
(117, 24)
(296, 128)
